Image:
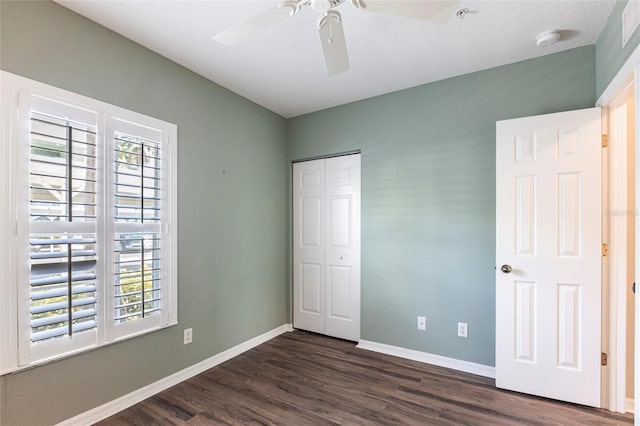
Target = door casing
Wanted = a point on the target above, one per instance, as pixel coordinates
(614, 333)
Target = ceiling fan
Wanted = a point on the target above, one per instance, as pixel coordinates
(329, 22)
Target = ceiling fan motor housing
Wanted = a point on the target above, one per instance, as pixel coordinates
(322, 6)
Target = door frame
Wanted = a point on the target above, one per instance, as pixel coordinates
(614, 295)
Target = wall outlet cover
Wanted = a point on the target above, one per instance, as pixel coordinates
(422, 323)
(463, 329)
(188, 336)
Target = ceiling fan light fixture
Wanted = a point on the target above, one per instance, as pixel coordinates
(548, 38)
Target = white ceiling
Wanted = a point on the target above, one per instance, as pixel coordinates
(282, 68)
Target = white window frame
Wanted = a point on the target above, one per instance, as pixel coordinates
(16, 351)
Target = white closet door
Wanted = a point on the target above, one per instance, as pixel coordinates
(342, 237)
(326, 246)
(308, 246)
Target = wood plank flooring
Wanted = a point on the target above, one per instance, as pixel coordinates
(302, 378)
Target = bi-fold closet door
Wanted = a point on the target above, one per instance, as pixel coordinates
(326, 246)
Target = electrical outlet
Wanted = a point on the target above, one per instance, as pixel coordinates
(188, 336)
(463, 329)
(422, 323)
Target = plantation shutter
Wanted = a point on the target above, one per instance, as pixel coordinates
(139, 187)
(63, 223)
(88, 208)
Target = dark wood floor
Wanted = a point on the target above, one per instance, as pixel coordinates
(301, 378)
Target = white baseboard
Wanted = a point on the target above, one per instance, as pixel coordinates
(441, 361)
(112, 407)
(629, 405)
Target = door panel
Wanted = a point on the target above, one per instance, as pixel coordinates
(548, 212)
(340, 218)
(525, 320)
(339, 283)
(342, 192)
(569, 304)
(311, 287)
(308, 246)
(311, 231)
(525, 215)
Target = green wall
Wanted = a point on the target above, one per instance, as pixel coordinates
(428, 193)
(610, 56)
(428, 200)
(232, 235)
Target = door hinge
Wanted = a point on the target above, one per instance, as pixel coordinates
(605, 141)
(605, 250)
(603, 359)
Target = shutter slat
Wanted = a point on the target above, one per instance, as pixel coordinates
(147, 271)
(40, 309)
(61, 254)
(136, 197)
(137, 314)
(62, 331)
(56, 241)
(57, 319)
(156, 299)
(156, 289)
(38, 270)
(57, 280)
(59, 292)
(45, 119)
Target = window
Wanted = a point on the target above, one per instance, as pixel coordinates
(90, 256)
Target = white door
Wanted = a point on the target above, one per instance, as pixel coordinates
(548, 252)
(342, 201)
(308, 246)
(326, 248)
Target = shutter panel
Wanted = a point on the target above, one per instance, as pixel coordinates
(63, 223)
(138, 200)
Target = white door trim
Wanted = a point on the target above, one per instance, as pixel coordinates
(615, 333)
(618, 206)
(636, 379)
(624, 75)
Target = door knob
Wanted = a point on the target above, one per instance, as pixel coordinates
(506, 269)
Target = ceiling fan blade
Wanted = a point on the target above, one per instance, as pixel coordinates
(333, 43)
(428, 10)
(243, 31)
